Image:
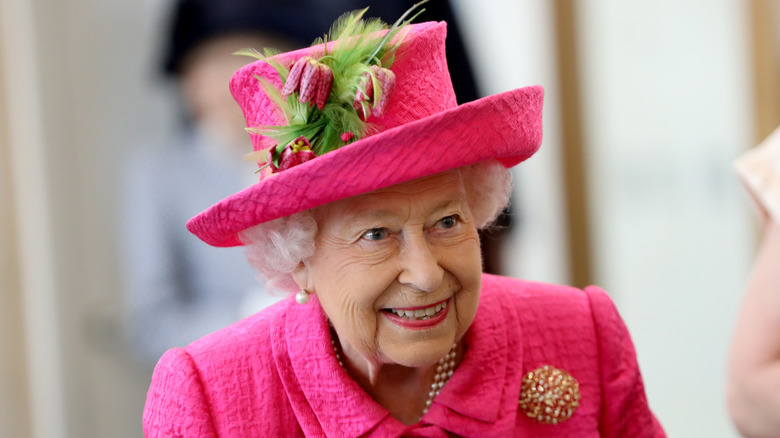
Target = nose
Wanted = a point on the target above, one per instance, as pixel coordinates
(420, 268)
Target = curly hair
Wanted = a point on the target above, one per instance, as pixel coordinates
(275, 248)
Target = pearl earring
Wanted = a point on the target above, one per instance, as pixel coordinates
(302, 297)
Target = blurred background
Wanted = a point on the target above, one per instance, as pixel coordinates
(647, 105)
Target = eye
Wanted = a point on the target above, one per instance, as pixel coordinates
(448, 221)
(375, 234)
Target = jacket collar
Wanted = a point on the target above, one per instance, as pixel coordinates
(482, 373)
(340, 404)
(483, 391)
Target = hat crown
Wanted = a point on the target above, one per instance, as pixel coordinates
(421, 132)
(423, 83)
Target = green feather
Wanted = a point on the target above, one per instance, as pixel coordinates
(357, 44)
(250, 52)
(268, 58)
(396, 26)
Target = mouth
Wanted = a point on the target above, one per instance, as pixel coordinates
(416, 318)
(419, 313)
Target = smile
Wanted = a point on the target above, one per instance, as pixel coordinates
(420, 314)
(418, 318)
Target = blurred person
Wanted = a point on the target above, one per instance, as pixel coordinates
(176, 290)
(374, 184)
(754, 359)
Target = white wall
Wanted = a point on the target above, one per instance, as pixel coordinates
(666, 103)
(79, 91)
(511, 44)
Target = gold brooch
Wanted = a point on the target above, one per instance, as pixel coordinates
(549, 395)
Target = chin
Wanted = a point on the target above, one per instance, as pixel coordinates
(422, 353)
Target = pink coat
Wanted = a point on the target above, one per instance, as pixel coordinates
(275, 374)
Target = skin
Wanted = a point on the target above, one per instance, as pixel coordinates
(412, 244)
(754, 360)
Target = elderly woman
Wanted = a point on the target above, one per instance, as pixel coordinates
(375, 183)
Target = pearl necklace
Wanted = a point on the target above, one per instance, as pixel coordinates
(445, 368)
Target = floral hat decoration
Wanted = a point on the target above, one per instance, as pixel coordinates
(365, 107)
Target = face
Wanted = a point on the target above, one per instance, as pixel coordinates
(398, 270)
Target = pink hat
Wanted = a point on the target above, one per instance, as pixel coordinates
(422, 131)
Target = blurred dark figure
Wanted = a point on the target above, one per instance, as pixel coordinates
(300, 22)
(178, 289)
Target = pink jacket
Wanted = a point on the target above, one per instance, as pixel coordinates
(275, 374)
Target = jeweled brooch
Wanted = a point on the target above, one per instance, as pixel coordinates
(549, 395)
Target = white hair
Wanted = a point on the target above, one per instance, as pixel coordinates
(275, 248)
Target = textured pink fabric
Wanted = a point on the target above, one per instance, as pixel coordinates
(275, 374)
(423, 132)
(423, 84)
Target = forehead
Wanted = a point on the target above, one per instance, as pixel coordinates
(424, 194)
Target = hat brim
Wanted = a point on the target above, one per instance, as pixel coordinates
(505, 126)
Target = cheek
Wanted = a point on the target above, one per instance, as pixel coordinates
(465, 264)
(354, 324)
(465, 259)
(350, 306)
(348, 290)
(353, 269)
(357, 277)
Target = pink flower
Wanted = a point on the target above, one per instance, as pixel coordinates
(296, 152)
(293, 82)
(386, 79)
(364, 96)
(347, 136)
(312, 79)
(365, 101)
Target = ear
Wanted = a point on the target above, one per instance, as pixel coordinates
(302, 277)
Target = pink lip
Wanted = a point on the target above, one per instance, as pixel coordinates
(420, 307)
(416, 324)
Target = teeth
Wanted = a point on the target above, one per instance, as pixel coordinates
(421, 314)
